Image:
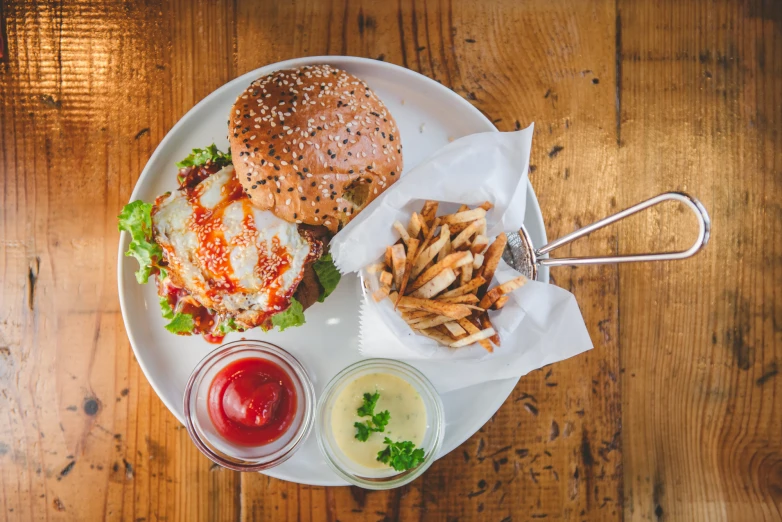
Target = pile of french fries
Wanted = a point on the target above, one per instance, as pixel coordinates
(438, 275)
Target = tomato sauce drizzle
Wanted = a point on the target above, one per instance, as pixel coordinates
(212, 246)
(214, 252)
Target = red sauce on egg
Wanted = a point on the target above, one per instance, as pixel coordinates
(252, 402)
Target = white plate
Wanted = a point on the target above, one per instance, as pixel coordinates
(428, 114)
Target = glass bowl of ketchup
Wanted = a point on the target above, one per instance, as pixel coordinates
(249, 405)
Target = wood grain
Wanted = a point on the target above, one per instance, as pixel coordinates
(673, 416)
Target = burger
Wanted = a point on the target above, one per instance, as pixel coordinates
(243, 241)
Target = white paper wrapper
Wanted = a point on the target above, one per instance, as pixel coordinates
(541, 323)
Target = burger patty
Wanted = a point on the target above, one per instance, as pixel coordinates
(231, 257)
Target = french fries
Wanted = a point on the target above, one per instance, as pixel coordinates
(415, 225)
(486, 323)
(466, 274)
(472, 330)
(479, 244)
(430, 251)
(498, 291)
(436, 285)
(455, 330)
(399, 227)
(491, 259)
(474, 284)
(465, 235)
(439, 273)
(472, 338)
(455, 311)
(451, 261)
(386, 278)
(437, 336)
(412, 248)
(500, 302)
(428, 212)
(463, 217)
(398, 258)
(466, 298)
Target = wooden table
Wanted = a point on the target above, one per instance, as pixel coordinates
(675, 415)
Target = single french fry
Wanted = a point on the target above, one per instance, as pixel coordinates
(400, 228)
(465, 299)
(387, 256)
(386, 278)
(505, 288)
(381, 293)
(416, 320)
(432, 322)
(445, 250)
(456, 311)
(424, 228)
(393, 296)
(514, 284)
(429, 252)
(490, 297)
(500, 302)
(428, 212)
(472, 330)
(414, 227)
(414, 314)
(463, 239)
(436, 285)
(443, 330)
(454, 329)
(473, 338)
(375, 268)
(412, 248)
(487, 206)
(466, 274)
(437, 336)
(467, 260)
(477, 261)
(456, 228)
(475, 283)
(398, 259)
(479, 244)
(428, 237)
(491, 259)
(486, 323)
(452, 260)
(463, 216)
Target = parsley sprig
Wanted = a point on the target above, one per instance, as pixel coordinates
(377, 422)
(400, 455)
(206, 155)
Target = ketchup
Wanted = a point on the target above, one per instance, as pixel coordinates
(252, 402)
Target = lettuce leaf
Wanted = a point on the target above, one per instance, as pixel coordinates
(228, 326)
(136, 220)
(293, 316)
(328, 275)
(201, 156)
(180, 323)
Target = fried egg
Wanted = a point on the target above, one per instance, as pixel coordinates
(230, 256)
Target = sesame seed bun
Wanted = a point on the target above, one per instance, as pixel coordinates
(314, 145)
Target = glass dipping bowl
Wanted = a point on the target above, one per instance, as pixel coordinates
(386, 478)
(234, 456)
